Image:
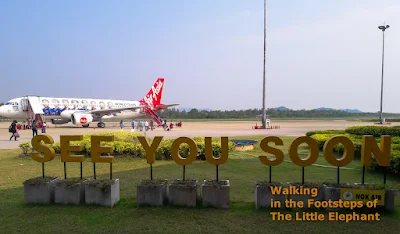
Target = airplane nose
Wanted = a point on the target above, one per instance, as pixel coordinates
(2, 111)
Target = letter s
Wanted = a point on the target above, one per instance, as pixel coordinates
(279, 156)
(42, 148)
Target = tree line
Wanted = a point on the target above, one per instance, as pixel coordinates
(273, 113)
(176, 114)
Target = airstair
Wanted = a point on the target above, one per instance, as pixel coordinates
(153, 116)
(31, 104)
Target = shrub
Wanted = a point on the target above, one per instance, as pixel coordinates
(395, 147)
(152, 183)
(310, 133)
(189, 183)
(164, 150)
(56, 147)
(25, 147)
(386, 120)
(128, 148)
(339, 148)
(394, 163)
(357, 141)
(322, 138)
(128, 144)
(376, 131)
(104, 184)
(39, 180)
(395, 140)
(70, 181)
(118, 136)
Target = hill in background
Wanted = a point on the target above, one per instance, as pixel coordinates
(279, 108)
(280, 112)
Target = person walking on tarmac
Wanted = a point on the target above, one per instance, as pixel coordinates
(34, 128)
(146, 126)
(44, 127)
(13, 130)
(151, 125)
(121, 124)
(164, 124)
(133, 124)
(141, 125)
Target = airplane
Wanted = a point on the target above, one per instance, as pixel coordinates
(83, 111)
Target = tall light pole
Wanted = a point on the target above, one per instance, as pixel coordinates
(383, 28)
(264, 78)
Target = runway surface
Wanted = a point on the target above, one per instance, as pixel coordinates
(189, 129)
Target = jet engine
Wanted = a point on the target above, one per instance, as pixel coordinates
(59, 121)
(67, 114)
(82, 119)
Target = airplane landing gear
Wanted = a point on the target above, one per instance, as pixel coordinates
(85, 125)
(101, 125)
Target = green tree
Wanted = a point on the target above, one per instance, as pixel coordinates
(175, 114)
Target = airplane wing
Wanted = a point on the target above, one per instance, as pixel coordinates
(164, 107)
(100, 113)
(112, 110)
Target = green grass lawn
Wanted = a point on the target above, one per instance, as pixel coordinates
(242, 169)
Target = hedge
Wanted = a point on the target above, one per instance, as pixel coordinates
(322, 138)
(357, 141)
(394, 163)
(377, 120)
(310, 133)
(376, 131)
(128, 144)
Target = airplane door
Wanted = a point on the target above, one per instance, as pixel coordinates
(24, 104)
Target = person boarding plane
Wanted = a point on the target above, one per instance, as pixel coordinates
(82, 111)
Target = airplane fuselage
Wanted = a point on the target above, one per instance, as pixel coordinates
(83, 111)
(63, 108)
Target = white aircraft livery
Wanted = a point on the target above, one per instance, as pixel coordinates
(83, 111)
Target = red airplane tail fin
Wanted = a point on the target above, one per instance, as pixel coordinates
(153, 97)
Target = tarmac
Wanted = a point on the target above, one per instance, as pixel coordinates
(188, 129)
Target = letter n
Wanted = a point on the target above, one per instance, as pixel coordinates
(381, 153)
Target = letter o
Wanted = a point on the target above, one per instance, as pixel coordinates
(175, 151)
(369, 204)
(348, 153)
(311, 158)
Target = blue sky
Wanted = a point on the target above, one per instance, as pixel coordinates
(210, 52)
